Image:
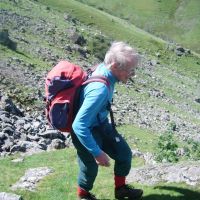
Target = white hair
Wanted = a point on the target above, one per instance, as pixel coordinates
(122, 54)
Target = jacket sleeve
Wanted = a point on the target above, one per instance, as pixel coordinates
(94, 100)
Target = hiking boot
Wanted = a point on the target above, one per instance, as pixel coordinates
(89, 196)
(126, 191)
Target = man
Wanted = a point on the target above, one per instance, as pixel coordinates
(93, 136)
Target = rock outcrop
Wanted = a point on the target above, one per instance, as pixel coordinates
(188, 173)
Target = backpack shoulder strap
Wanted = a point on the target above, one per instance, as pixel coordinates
(98, 78)
(104, 80)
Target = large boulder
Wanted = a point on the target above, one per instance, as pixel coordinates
(9, 196)
(31, 178)
(188, 173)
(6, 41)
(7, 105)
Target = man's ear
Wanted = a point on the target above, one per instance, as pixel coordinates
(113, 66)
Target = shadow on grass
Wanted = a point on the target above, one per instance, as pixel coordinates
(185, 194)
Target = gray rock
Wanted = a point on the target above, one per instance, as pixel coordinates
(3, 136)
(8, 130)
(197, 100)
(153, 62)
(37, 125)
(57, 144)
(68, 139)
(20, 122)
(136, 153)
(1, 143)
(7, 146)
(156, 93)
(27, 126)
(16, 135)
(5, 40)
(149, 158)
(31, 178)
(18, 160)
(165, 117)
(9, 196)
(76, 37)
(17, 148)
(188, 173)
(45, 141)
(43, 146)
(158, 54)
(140, 113)
(7, 105)
(5, 119)
(23, 136)
(51, 134)
(33, 138)
(24, 146)
(181, 49)
(4, 113)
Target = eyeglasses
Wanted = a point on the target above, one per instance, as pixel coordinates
(130, 72)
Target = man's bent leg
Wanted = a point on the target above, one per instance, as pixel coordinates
(88, 167)
(118, 149)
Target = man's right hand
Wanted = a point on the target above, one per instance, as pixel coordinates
(103, 159)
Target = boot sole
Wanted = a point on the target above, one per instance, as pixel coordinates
(138, 198)
(129, 198)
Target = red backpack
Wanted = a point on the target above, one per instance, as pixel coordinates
(62, 88)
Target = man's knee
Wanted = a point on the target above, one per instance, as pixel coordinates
(123, 163)
(125, 154)
(91, 170)
(87, 176)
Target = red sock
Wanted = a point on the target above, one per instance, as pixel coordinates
(119, 181)
(81, 192)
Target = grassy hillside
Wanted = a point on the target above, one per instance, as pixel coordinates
(173, 71)
(176, 77)
(109, 24)
(167, 88)
(119, 29)
(171, 20)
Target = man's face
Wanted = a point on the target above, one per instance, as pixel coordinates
(124, 74)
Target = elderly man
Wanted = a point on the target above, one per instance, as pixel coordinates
(93, 136)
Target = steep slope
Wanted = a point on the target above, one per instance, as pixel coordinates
(34, 36)
(165, 93)
(167, 83)
(173, 20)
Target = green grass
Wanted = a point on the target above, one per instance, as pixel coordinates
(61, 184)
(171, 20)
(28, 58)
(110, 25)
(119, 29)
(59, 180)
(136, 138)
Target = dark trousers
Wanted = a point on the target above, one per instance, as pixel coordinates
(112, 143)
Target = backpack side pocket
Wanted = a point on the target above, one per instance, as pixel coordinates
(59, 114)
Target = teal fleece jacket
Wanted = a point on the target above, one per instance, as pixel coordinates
(94, 98)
